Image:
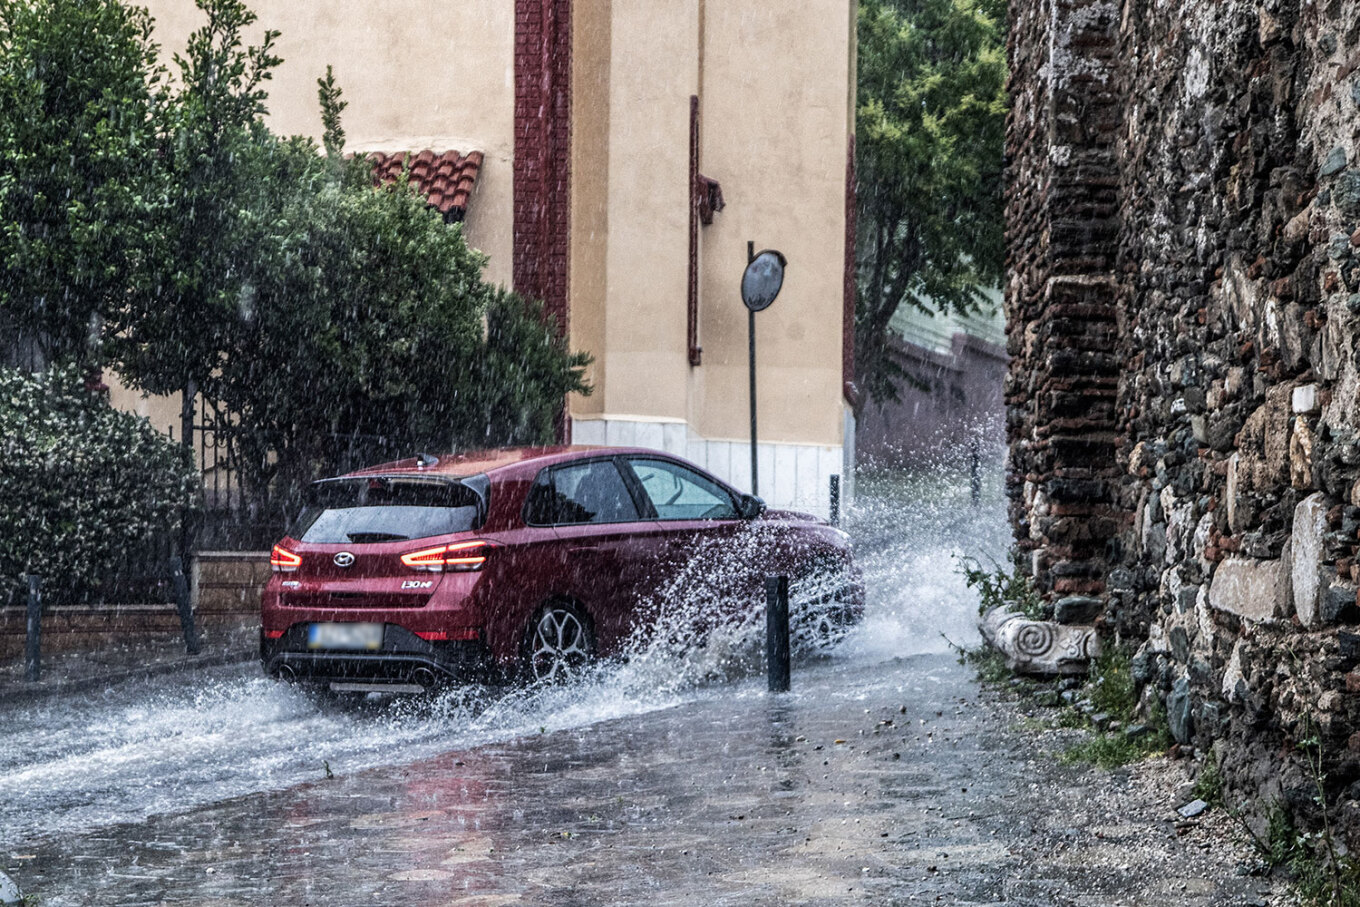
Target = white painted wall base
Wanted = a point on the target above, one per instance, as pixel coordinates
(793, 476)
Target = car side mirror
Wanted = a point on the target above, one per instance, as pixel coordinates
(749, 507)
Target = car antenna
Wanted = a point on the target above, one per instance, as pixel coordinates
(423, 460)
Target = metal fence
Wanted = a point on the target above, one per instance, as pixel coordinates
(236, 520)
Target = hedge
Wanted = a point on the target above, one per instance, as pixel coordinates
(89, 495)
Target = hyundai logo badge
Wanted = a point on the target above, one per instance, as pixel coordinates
(344, 559)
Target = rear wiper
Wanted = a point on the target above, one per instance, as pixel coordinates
(376, 537)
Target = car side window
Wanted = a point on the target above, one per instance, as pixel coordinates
(679, 493)
(590, 492)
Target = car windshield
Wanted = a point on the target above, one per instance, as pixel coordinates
(389, 509)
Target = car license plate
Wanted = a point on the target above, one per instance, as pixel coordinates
(345, 636)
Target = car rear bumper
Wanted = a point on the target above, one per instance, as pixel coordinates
(403, 658)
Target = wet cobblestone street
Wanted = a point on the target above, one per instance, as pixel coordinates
(893, 783)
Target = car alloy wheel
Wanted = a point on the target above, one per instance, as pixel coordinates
(559, 646)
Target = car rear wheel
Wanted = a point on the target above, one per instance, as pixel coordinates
(559, 645)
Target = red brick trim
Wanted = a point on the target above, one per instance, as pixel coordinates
(848, 290)
(542, 169)
(692, 293)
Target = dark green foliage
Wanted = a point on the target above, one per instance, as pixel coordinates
(1209, 783)
(988, 664)
(333, 135)
(361, 338)
(221, 203)
(78, 183)
(1321, 877)
(325, 323)
(524, 375)
(83, 487)
(930, 138)
(1110, 686)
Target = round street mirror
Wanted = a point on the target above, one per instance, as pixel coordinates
(763, 277)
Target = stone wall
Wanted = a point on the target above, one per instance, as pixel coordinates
(1184, 397)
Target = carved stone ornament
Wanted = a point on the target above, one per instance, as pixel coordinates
(1039, 646)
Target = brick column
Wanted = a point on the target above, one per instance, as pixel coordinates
(542, 170)
(1062, 294)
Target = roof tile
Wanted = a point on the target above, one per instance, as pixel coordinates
(446, 178)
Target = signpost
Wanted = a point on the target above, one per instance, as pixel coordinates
(760, 284)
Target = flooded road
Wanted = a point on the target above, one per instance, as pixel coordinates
(74, 765)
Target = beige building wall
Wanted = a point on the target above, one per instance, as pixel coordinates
(413, 78)
(775, 83)
(417, 74)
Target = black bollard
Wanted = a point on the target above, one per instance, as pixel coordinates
(975, 471)
(777, 632)
(33, 644)
(835, 500)
(184, 605)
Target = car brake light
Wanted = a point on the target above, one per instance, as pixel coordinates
(458, 556)
(281, 560)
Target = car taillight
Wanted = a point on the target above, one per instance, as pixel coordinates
(281, 560)
(458, 556)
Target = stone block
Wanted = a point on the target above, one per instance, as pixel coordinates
(1346, 193)
(1234, 678)
(1339, 598)
(1305, 399)
(1040, 646)
(1234, 487)
(1305, 547)
(1178, 711)
(1077, 609)
(1258, 590)
(1353, 682)
(1180, 644)
(1301, 454)
(1334, 162)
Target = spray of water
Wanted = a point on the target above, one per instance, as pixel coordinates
(168, 744)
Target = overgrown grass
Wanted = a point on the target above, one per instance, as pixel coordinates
(1109, 750)
(1110, 687)
(1209, 784)
(1110, 691)
(1319, 880)
(988, 664)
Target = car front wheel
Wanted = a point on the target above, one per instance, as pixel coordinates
(559, 645)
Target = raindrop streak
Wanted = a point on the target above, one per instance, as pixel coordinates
(167, 744)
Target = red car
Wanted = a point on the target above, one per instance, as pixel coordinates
(529, 563)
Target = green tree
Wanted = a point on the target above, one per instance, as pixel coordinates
(323, 321)
(78, 124)
(369, 333)
(930, 142)
(220, 208)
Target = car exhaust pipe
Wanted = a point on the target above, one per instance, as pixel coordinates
(286, 673)
(424, 677)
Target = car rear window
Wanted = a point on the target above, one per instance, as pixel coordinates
(390, 509)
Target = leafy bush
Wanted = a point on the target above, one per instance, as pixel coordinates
(84, 488)
(997, 587)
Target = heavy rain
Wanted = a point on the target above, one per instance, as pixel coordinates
(72, 765)
(566, 453)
